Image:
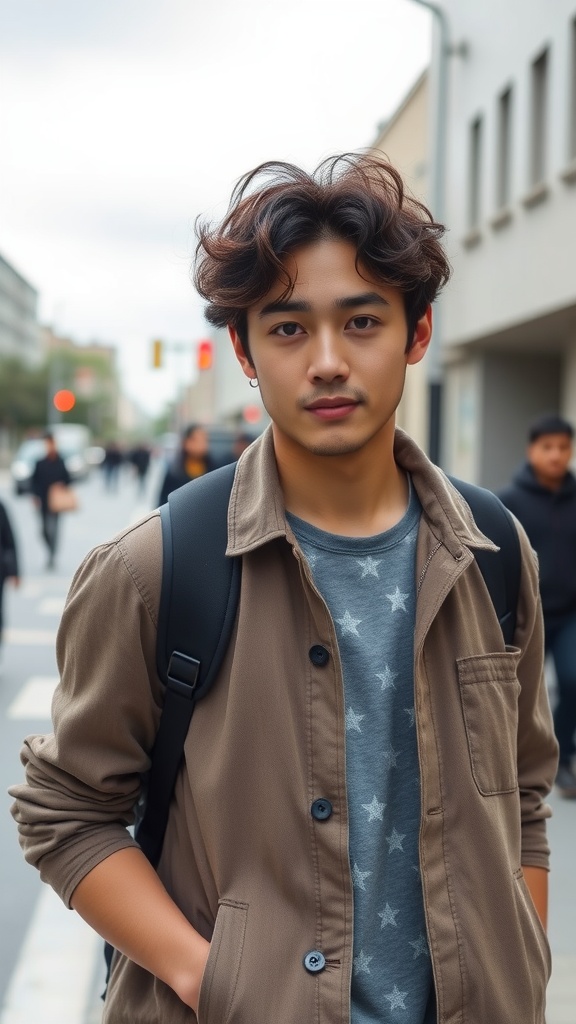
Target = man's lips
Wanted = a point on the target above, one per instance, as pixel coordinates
(332, 408)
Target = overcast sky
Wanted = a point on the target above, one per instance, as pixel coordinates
(122, 120)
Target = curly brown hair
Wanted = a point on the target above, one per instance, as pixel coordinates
(279, 207)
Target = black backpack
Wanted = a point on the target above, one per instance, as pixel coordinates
(201, 586)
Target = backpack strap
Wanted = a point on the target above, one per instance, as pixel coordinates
(500, 569)
(198, 602)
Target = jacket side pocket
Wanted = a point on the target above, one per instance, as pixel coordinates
(536, 929)
(220, 977)
(489, 692)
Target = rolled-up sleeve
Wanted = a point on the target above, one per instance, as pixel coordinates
(83, 781)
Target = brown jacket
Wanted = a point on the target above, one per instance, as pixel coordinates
(243, 856)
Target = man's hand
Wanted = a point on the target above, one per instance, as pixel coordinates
(537, 881)
(123, 899)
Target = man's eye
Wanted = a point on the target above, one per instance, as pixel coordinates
(362, 323)
(288, 330)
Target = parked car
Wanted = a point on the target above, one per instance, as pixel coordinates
(72, 442)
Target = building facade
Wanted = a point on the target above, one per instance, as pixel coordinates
(19, 330)
(403, 139)
(509, 314)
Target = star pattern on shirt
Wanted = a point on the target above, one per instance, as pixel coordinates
(370, 594)
(359, 876)
(387, 678)
(362, 963)
(394, 841)
(420, 946)
(375, 810)
(411, 712)
(398, 600)
(353, 720)
(396, 998)
(349, 624)
(391, 757)
(369, 566)
(388, 916)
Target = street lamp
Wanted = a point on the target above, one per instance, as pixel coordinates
(437, 191)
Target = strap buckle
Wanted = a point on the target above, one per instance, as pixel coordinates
(183, 672)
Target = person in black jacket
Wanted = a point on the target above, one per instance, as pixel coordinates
(543, 497)
(47, 471)
(8, 559)
(192, 460)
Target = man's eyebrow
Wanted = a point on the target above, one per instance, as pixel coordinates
(364, 299)
(347, 302)
(285, 306)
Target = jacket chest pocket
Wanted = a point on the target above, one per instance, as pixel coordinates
(489, 691)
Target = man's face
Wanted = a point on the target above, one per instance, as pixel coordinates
(330, 360)
(549, 456)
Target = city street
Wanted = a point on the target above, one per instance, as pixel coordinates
(50, 962)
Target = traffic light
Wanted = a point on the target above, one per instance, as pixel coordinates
(204, 355)
(157, 347)
(64, 400)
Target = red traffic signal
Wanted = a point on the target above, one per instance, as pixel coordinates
(64, 400)
(205, 355)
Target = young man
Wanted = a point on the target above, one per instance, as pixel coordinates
(543, 497)
(357, 832)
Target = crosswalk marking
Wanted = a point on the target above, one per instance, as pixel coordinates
(52, 981)
(30, 637)
(34, 699)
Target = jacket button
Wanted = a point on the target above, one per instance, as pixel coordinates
(318, 655)
(321, 809)
(314, 961)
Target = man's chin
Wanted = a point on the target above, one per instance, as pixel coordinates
(335, 447)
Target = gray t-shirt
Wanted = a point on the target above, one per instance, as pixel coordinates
(369, 586)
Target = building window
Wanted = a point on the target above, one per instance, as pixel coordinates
(475, 174)
(572, 104)
(538, 126)
(504, 150)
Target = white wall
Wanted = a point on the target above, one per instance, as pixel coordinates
(524, 268)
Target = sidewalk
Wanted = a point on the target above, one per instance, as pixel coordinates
(561, 1005)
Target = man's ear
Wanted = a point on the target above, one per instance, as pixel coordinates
(421, 339)
(241, 356)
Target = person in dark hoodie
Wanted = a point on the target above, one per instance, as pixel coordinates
(543, 497)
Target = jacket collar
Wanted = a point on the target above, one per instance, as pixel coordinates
(256, 512)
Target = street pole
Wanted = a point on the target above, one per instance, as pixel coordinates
(439, 80)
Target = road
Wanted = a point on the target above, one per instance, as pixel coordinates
(50, 962)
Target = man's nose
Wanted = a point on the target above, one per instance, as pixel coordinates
(328, 357)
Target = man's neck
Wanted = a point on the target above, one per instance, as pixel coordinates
(355, 495)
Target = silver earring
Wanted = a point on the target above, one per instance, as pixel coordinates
(253, 382)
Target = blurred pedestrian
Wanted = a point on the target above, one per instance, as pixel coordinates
(192, 460)
(111, 465)
(8, 559)
(542, 496)
(47, 471)
(140, 459)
